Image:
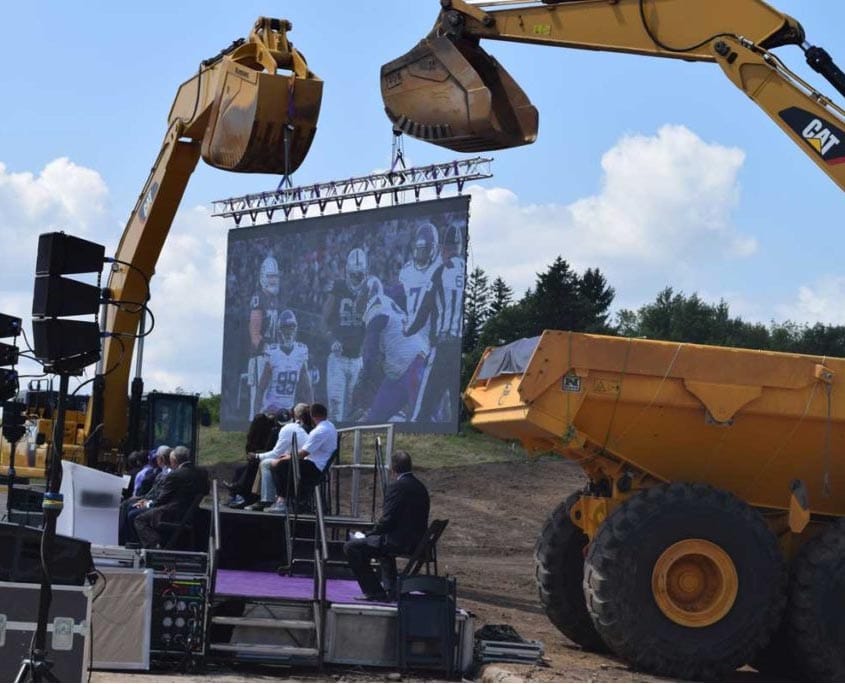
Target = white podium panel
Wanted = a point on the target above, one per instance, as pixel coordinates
(91, 504)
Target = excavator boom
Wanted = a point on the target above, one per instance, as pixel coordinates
(239, 113)
(449, 91)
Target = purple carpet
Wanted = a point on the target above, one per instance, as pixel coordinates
(271, 585)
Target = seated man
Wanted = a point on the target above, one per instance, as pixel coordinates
(402, 525)
(177, 493)
(314, 456)
(130, 508)
(283, 445)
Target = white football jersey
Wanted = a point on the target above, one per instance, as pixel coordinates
(285, 368)
(416, 282)
(450, 298)
(398, 351)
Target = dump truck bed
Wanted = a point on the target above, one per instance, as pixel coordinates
(747, 421)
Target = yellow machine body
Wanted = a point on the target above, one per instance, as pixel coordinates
(749, 422)
(449, 91)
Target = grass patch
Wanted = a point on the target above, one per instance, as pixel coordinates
(469, 447)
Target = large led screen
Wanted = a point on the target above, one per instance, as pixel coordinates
(362, 312)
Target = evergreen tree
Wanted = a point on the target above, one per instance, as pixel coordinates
(501, 296)
(476, 308)
(596, 297)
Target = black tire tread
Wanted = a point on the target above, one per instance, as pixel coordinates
(625, 633)
(561, 595)
(820, 660)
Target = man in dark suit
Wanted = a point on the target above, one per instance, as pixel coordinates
(176, 495)
(403, 524)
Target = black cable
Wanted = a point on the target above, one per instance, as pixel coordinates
(149, 311)
(26, 340)
(112, 260)
(91, 624)
(110, 370)
(670, 48)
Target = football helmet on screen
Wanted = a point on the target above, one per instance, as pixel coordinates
(269, 275)
(425, 246)
(371, 294)
(287, 329)
(356, 269)
(453, 239)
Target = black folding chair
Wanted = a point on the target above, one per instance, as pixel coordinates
(426, 551)
(185, 525)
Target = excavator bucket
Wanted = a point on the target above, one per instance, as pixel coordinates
(452, 93)
(253, 114)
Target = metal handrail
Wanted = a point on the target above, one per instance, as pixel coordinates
(215, 515)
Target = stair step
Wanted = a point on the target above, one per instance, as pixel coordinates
(268, 623)
(266, 649)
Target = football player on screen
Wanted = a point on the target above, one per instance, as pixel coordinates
(416, 274)
(285, 380)
(343, 323)
(441, 313)
(264, 309)
(393, 361)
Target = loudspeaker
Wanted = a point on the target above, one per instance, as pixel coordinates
(57, 296)
(57, 338)
(59, 253)
(20, 557)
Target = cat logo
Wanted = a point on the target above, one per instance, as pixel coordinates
(826, 139)
(820, 137)
(146, 205)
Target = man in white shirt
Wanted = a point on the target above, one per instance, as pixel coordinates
(314, 456)
(284, 444)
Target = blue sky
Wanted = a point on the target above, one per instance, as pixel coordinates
(655, 171)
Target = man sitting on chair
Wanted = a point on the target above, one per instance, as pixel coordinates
(402, 525)
(314, 455)
(177, 494)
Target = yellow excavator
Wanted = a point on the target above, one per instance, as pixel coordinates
(449, 91)
(710, 533)
(252, 108)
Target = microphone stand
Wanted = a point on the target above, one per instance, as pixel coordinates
(37, 668)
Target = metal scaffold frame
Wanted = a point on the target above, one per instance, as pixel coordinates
(390, 184)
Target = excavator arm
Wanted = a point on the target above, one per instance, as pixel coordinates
(450, 92)
(239, 113)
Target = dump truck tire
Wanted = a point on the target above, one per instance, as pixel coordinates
(685, 580)
(815, 615)
(559, 571)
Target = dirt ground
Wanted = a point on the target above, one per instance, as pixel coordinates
(496, 512)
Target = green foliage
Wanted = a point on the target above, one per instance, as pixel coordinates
(560, 300)
(501, 296)
(211, 403)
(476, 308)
(429, 451)
(677, 317)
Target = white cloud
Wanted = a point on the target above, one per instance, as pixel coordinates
(62, 197)
(664, 205)
(822, 301)
(187, 300)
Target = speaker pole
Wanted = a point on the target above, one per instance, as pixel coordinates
(10, 480)
(37, 668)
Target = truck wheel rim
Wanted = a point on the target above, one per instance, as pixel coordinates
(694, 583)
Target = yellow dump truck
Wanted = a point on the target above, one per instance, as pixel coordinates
(710, 532)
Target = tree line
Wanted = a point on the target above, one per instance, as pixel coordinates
(562, 299)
